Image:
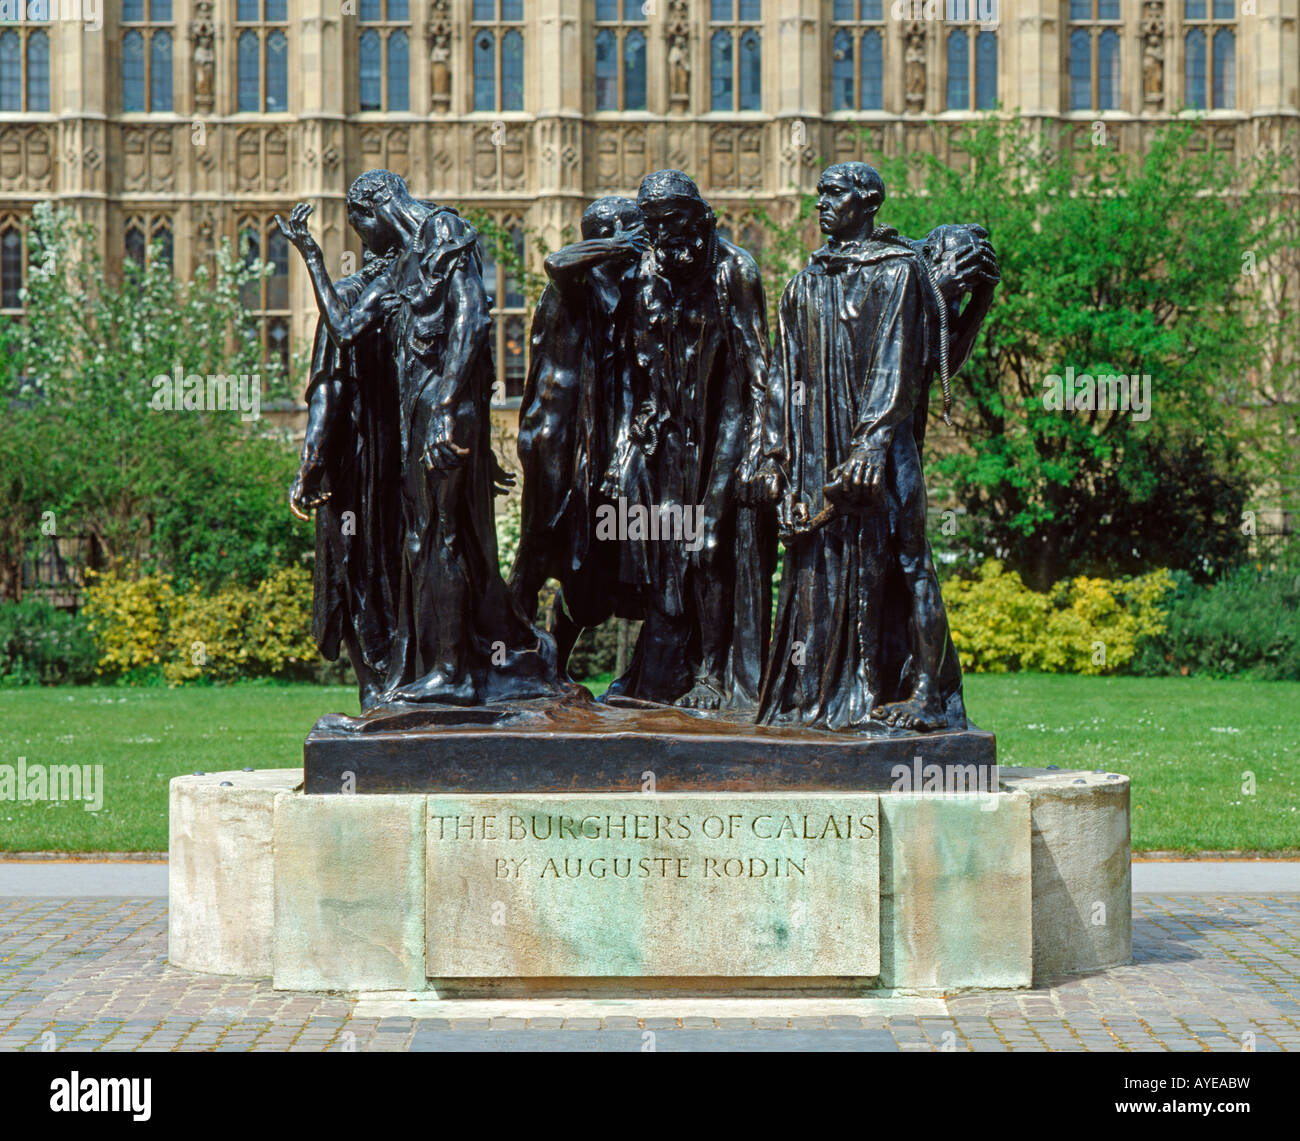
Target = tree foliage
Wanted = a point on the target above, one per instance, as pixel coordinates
(199, 493)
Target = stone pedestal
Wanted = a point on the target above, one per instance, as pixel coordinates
(732, 892)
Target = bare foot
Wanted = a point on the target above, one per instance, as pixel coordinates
(702, 695)
(437, 687)
(915, 713)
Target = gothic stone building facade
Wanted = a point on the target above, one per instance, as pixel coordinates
(183, 121)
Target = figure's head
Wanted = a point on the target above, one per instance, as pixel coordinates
(948, 242)
(610, 215)
(679, 223)
(374, 201)
(849, 195)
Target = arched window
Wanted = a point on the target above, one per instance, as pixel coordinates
(620, 44)
(721, 80)
(25, 60)
(250, 77)
(1108, 70)
(958, 70)
(1094, 55)
(505, 290)
(634, 70)
(146, 237)
(384, 56)
(262, 55)
(512, 70)
(147, 56)
(842, 71)
(1194, 70)
(371, 69)
(133, 71)
(277, 71)
(160, 72)
(1209, 54)
(751, 70)
(986, 70)
(1225, 68)
(399, 72)
(606, 70)
(857, 65)
(498, 37)
(267, 299)
(11, 264)
(736, 84)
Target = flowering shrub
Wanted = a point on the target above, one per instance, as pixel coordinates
(192, 635)
(1083, 625)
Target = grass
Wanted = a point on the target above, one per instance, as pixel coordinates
(1188, 744)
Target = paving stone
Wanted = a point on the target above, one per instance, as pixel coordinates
(1207, 971)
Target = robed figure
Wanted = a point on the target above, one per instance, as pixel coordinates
(860, 634)
(691, 544)
(349, 474)
(578, 355)
(457, 637)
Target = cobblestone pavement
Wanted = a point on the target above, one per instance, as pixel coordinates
(1210, 973)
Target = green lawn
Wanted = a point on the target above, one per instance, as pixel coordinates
(1186, 742)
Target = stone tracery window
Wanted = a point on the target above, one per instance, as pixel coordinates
(735, 55)
(267, 299)
(857, 41)
(498, 52)
(971, 56)
(620, 65)
(1094, 55)
(13, 262)
(262, 54)
(147, 55)
(1209, 54)
(509, 310)
(384, 55)
(148, 236)
(24, 61)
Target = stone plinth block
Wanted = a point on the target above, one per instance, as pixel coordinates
(681, 884)
(1083, 901)
(221, 871)
(349, 893)
(955, 891)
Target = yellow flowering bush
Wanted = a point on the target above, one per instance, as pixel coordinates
(129, 619)
(1083, 625)
(192, 635)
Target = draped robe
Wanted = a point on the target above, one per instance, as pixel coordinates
(852, 368)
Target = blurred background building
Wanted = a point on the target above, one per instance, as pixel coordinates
(185, 121)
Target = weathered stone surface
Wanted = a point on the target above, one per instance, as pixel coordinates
(1081, 852)
(955, 891)
(220, 871)
(718, 886)
(349, 892)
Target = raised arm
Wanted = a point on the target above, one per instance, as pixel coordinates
(344, 324)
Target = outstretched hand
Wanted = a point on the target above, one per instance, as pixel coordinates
(295, 229)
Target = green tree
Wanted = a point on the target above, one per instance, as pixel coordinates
(1112, 264)
(198, 493)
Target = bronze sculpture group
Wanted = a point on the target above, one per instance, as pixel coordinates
(666, 446)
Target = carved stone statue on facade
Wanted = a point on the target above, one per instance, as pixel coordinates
(677, 31)
(861, 637)
(409, 359)
(203, 34)
(1153, 52)
(914, 65)
(440, 28)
